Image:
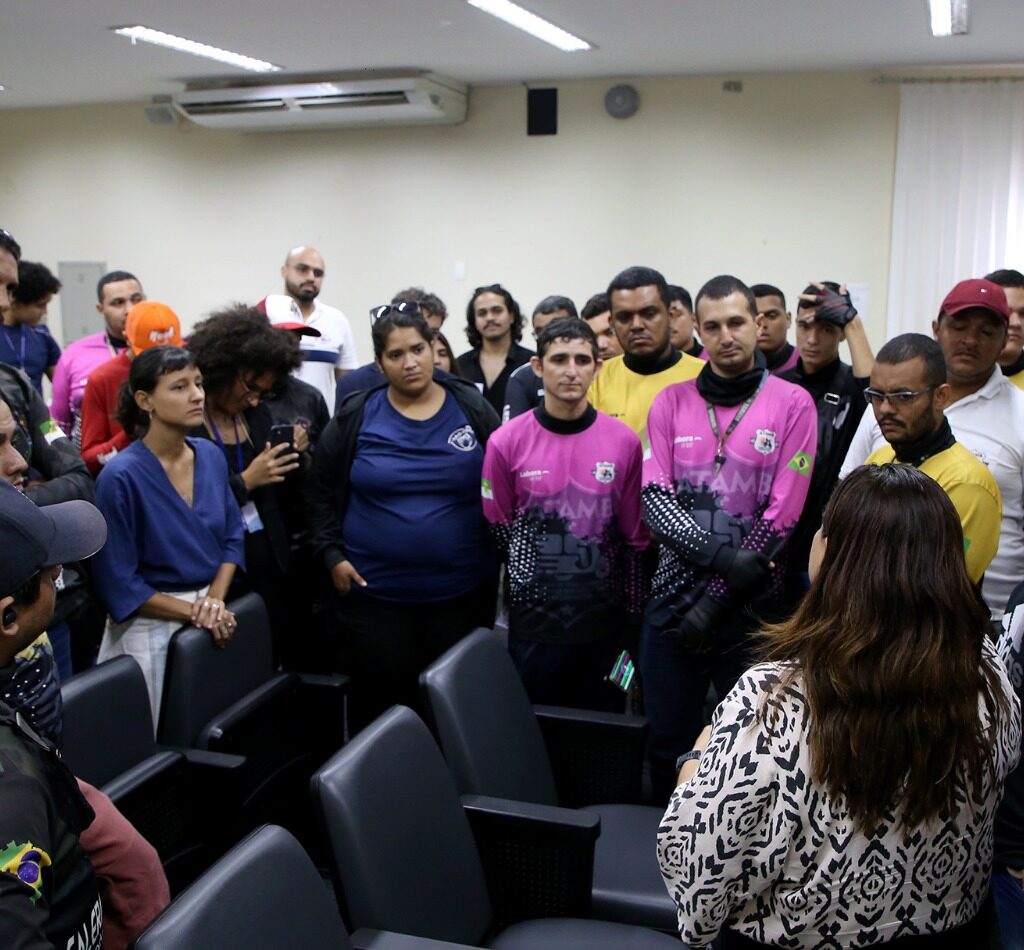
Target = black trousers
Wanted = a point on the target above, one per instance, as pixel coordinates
(385, 646)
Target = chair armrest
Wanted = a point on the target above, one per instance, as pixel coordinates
(138, 775)
(538, 859)
(325, 696)
(597, 758)
(366, 939)
(218, 727)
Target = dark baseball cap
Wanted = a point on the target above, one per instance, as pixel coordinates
(977, 293)
(32, 538)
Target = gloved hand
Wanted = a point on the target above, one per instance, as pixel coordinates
(697, 628)
(740, 567)
(834, 308)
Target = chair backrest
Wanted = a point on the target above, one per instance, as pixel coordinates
(485, 723)
(403, 856)
(108, 726)
(203, 679)
(262, 895)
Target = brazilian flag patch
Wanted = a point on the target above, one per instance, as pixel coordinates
(802, 463)
(25, 862)
(485, 489)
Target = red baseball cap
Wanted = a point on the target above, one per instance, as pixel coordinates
(977, 293)
(301, 329)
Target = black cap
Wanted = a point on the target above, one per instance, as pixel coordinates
(32, 538)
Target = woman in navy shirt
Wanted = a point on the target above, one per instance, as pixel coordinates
(396, 515)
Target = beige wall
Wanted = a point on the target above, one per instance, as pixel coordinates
(789, 180)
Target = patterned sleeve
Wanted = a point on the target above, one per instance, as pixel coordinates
(726, 833)
(665, 516)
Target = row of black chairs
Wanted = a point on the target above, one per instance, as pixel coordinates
(547, 835)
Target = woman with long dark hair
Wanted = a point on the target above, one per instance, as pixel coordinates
(174, 531)
(845, 792)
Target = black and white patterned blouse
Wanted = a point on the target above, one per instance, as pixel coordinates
(752, 842)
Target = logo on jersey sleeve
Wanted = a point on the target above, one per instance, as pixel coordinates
(801, 463)
(463, 439)
(604, 472)
(485, 489)
(764, 441)
(26, 863)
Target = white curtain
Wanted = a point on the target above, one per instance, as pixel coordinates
(958, 201)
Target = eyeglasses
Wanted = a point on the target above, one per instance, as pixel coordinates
(403, 306)
(251, 390)
(902, 398)
(8, 243)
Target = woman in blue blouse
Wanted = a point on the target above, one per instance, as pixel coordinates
(174, 530)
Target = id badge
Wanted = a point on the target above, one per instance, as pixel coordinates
(251, 517)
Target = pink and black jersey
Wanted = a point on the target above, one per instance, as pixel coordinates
(563, 498)
(699, 496)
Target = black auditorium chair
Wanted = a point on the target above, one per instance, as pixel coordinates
(264, 894)
(231, 699)
(176, 798)
(408, 856)
(494, 742)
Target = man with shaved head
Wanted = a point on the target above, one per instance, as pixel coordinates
(327, 357)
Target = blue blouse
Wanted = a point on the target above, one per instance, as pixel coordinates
(155, 541)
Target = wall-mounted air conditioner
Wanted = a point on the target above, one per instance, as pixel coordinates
(349, 100)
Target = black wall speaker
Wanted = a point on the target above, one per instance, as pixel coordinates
(541, 111)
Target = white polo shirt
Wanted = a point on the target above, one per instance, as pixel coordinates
(989, 422)
(334, 348)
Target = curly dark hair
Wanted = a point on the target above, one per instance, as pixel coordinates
(239, 340)
(472, 334)
(35, 281)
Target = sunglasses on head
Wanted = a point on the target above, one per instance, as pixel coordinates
(403, 306)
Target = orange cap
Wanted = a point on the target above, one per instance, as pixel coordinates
(151, 323)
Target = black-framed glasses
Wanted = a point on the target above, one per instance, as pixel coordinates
(8, 243)
(403, 306)
(903, 397)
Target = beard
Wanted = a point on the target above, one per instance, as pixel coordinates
(299, 292)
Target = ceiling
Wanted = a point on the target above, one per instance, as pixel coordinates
(61, 52)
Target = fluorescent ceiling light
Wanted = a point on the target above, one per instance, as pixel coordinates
(948, 17)
(530, 23)
(182, 45)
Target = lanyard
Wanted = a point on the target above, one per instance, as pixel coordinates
(238, 443)
(10, 345)
(713, 420)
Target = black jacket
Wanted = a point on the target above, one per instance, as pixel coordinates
(42, 814)
(268, 498)
(52, 458)
(328, 491)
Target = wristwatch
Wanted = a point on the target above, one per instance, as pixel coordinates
(691, 756)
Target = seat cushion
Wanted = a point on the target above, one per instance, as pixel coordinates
(628, 886)
(566, 933)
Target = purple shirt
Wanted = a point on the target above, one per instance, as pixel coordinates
(753, 502)
(77, 361)
(564, 500)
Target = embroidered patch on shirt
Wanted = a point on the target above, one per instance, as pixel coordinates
(604, 472)
(463, 439)
(764, 441)
(51, 431)
(801, 462)
(25, 862)
(485, 489)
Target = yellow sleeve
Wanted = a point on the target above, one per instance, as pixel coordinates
(980, 516)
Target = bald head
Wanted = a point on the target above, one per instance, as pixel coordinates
(303, 274)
